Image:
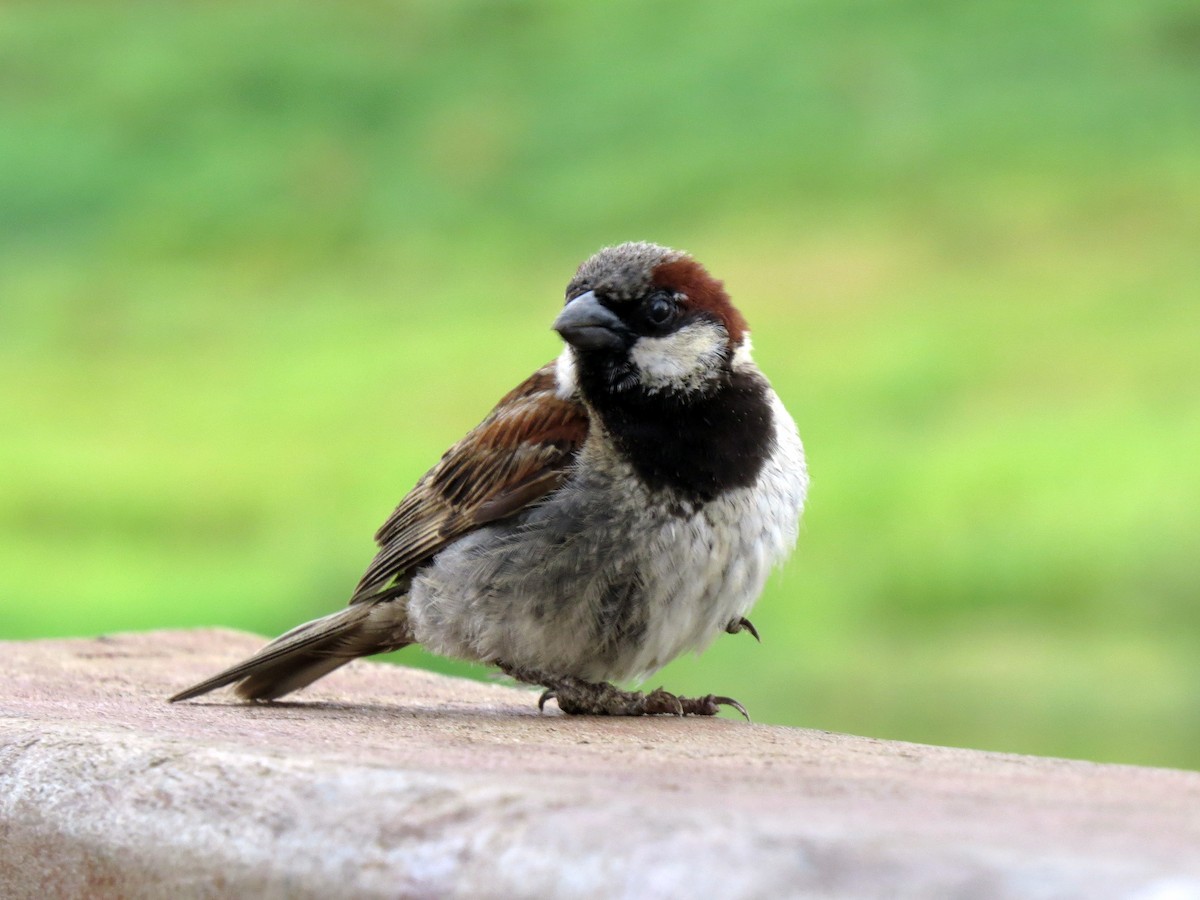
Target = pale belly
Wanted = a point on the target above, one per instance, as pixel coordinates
(605, 582)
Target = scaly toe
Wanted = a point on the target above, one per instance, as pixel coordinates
(546, 695)
(663, 703)
(710, 705)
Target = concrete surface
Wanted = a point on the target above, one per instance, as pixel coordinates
(385, 781)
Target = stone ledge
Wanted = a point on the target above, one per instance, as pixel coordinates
(395, 782)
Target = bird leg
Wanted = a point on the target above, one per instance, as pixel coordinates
(578, 697)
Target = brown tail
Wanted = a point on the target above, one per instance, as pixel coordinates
(311, 651)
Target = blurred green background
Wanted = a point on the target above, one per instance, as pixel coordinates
(260, 263)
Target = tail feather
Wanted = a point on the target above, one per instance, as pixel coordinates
(311, 651)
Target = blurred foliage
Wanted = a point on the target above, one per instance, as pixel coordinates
(260, 263)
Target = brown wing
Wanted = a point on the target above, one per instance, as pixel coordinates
(514, 457)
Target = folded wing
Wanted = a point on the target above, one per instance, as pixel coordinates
(522, 451)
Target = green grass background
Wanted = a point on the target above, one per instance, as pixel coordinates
(260, 263)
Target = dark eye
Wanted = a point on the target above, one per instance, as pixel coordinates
(660, 309)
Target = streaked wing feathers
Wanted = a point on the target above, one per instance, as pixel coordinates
(514, 457)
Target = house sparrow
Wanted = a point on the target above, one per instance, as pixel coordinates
(621, 506)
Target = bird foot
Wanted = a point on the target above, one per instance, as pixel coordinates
(578, 697)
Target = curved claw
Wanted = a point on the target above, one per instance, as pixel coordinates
(743, 624)
(546, 695)
(729, 701)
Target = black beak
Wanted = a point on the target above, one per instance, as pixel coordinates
(588, 324)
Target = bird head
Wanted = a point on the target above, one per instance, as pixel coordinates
(640, 317)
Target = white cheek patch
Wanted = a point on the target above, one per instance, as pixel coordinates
(742, 358)
(565, 382)
(684, 361)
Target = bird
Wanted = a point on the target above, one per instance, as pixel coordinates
(620, 507)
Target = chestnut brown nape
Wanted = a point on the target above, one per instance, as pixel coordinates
(685, 275)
